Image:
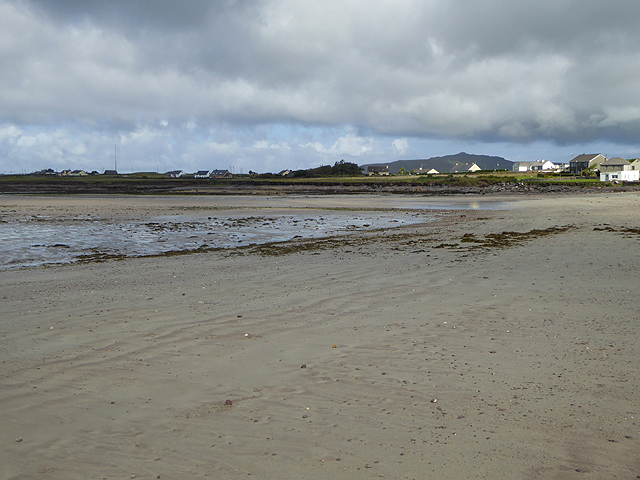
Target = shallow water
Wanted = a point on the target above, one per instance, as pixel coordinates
(38, 241)
(58, 236)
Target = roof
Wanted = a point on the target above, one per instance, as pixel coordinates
(615, 161)
(535, 162)
(585, 157)
(465, 167)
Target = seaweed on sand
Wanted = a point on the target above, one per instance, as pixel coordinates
(328, 243)
(505, 239)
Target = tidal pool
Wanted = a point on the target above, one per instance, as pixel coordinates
(40, 240)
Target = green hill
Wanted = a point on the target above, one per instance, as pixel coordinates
(460, 162)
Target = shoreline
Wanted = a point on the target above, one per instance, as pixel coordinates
(412, 185)
(484, 342)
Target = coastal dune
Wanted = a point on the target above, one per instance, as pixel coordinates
(487, 343)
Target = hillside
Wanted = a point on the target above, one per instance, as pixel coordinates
(449, 163)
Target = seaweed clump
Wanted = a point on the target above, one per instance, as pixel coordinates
(505, 239)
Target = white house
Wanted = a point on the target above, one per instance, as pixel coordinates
(378, 169)
(202, 174)
(465, 167)
(618, 170)
(73, 173)
(522, 166)
(533, 166)
(620, 176)
(176, 173)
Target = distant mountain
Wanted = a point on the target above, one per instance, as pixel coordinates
(449, 163)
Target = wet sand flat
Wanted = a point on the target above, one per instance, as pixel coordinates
(485, 344)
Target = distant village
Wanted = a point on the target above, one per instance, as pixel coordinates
(609, 170)
(612, 169)
(171, 174)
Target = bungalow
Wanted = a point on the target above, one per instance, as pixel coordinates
(635, 164)
(526, 166)
(465, 167)
(587, 160)
(176, 173)
(202, 174)
(533, 166)
(432, 171)
(220, 174)
(73, 173)
(110, 172)
(378, 169)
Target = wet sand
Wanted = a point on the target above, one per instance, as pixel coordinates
(486, 344)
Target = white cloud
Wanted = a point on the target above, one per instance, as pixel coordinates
(264, 144)
(350, 144)
(401, 145)
(9, 133)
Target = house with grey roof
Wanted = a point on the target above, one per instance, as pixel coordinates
(202, 174)
(615, 165)
(378, 169)
(220, 174)
(587, 160)
(536, 165)
(618, 170)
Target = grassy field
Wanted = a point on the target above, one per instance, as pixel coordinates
(151, 182)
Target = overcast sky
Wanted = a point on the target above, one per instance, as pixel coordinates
(265, 85)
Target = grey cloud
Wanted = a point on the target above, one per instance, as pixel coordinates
(499, 27)
(139, 14)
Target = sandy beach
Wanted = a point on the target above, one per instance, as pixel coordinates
(488, 343)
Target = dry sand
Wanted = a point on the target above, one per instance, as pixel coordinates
(413, 354)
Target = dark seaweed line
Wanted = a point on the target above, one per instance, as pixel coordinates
(505, 239)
